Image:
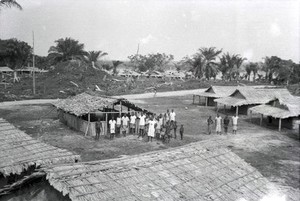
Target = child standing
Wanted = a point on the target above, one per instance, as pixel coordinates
(181, 131)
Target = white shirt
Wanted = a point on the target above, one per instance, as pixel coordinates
(218, 119)
(234, 120)
(172, 116)
(142, 120)
(119, 120)
(125, 120)
(112, 124)
(132, 119)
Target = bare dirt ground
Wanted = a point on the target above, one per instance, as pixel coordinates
(274, 154)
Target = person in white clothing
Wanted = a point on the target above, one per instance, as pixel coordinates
(119, 121)
(172, 116)
(125, 121)
(218, 121)
(132, 123)
(151, 129)
(142, 125)
(112, 126)
(234, 124)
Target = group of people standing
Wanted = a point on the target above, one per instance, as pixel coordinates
(142, 124)
(218, 124)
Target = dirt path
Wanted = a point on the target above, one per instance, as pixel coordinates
(129, 97)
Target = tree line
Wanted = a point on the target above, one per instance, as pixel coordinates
(206, 63)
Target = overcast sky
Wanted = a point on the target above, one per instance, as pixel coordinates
(254, 29)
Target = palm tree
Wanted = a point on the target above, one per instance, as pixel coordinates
(93, 56)
(230, 65)
(9, 4)
(204, 62)
(67, 49)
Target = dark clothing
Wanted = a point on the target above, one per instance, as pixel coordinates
(98, 130)
(210, 121)
(181, 132)
(226, 123)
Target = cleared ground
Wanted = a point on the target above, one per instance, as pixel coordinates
(274, 154)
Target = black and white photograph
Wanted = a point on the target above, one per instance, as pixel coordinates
(149, 100)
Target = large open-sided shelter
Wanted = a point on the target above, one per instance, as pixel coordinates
(83, 110)
(213, 92)
(244, 98)
(281, 111)
(190, 172)
(21, 154)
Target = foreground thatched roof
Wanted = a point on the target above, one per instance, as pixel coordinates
(6, 69)
(85, 103)
(252, 96)
(218, 91)
(282, 107)
(19, 151)
(191, 172)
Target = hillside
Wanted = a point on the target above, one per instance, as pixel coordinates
(70, 78)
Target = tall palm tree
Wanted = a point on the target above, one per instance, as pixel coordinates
(93, 56)
(230, 65)
(9, 4)
(204, 62)
(67, 49)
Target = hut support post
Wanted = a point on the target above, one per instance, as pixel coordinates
(105, 131)
(224, 108)
(199, 100)
(237, 110)
(250, 116)
(89, 120)
(193, 99)
(261, 118)
(279, 127)
(206, 101)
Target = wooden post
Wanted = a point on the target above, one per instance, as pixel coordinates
(206, 101)
(120, 108)
(89, 120)
(224, 108)
(261, 118)
(279, 128)
(237, 110)
(250, 116)
(193, 99)
(105, 124)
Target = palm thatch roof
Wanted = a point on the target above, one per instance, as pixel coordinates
(19, 151)
(218, 91)
(85, 103)
(253, 96)
(191, 172)
(5, 69)
(282, 107)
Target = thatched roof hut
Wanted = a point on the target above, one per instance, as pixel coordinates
(214, 92)
(191, 172)
(83, 110)
(5, 69)
(19, 151)
(249, 96)
(285, 107)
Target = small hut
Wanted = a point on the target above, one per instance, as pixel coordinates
(213, 92)
(81, 112)
(244, 98)
(282, 112)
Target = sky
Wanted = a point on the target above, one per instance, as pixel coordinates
(254, 29)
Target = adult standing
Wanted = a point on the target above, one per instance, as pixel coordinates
(112, 126)
(151, 129)
(142, 125)
(132, 123)
(226, 123)
(218, 121)
(125, 121)
(119, 121)
(172, 116)
(210, 123)
(98, 129)
(234, 123)
(167, 117)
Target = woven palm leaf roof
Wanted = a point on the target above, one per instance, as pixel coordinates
(191, 172)
(218, 91)
(85, 103)
(250, 96)
(19, 151)
(5, 69)
(283, 107)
